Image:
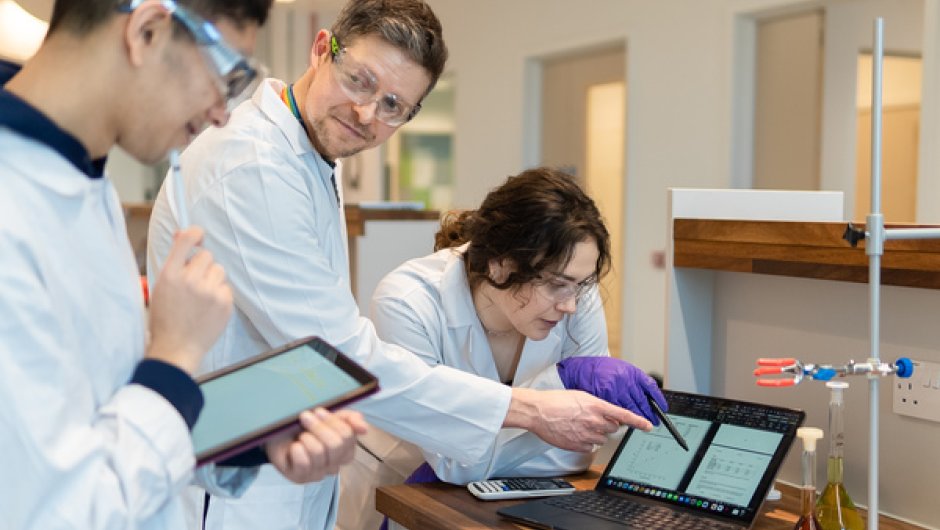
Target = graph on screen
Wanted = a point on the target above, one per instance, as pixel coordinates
(655, 458)
(734, 464)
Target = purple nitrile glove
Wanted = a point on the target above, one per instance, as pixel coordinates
(615, 381)
(423, 474)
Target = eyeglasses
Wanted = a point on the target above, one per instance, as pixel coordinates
(560, 289)
(234, 72)
(362, 87)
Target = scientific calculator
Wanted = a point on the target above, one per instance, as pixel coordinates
(518, 488)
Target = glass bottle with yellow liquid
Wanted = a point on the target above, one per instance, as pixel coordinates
(808, 520)
(835, 509)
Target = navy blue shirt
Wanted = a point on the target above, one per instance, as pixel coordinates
(26, 120)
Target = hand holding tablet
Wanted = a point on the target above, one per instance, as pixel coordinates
(261, 397)
(328, 441)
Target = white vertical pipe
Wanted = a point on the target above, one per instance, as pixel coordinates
(874, 248)
(877, 62)
(928, 165)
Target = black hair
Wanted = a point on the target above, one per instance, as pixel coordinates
(80, 17)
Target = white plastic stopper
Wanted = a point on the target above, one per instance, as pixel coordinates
(836, 387)
(809, 435)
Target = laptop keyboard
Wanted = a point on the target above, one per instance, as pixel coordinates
(625, 511)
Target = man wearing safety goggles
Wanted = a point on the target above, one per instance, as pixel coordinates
(265, 191)
(97, 403)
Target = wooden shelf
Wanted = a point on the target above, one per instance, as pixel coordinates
(801, 249)
(356, 217)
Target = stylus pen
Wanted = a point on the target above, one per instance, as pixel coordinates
(179, 188)
(667, 422)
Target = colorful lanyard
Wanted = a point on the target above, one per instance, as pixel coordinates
(287, 96)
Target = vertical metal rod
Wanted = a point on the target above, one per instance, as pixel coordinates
(875, 225)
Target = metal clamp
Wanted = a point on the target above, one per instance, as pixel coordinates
(797, 370)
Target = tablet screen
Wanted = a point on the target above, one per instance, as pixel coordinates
(258, 398)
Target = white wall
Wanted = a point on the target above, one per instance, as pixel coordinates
(754, 317)
(131, 179)
(680, 57)
(678, 72)
(21, 32)
(849, 30)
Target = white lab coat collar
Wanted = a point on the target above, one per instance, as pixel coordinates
(457, 301)
(60, 179)
(461, 315)
(268, 98)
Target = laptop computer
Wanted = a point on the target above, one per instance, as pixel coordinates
(735, 451)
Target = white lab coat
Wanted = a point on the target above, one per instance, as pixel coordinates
(264, 197)
(426, 306)
(79, 447)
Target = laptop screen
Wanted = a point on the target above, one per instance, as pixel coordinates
(735, 450)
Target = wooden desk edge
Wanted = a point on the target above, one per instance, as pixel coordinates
(434, 507)
(396, 503)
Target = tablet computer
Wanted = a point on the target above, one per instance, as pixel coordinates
(248, 402)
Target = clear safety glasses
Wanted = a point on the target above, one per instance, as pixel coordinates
(560, 290)
(234, 72)
(361, 86)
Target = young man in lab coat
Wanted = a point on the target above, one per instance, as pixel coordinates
(264, 189)
(94, 421)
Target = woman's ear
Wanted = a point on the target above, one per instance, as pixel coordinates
(499, 270)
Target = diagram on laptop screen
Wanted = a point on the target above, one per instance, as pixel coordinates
(655, 458)
(734, 464)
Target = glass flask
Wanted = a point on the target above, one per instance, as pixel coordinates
(808, 520)
(835, 509)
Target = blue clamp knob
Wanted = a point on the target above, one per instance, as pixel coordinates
(824, 374)
(905, 367)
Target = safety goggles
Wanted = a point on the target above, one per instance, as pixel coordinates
(234, 72)
(361, 86)
(560, 289)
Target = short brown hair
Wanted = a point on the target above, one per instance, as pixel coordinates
(409, 25)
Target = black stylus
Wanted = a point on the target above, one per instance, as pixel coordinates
(667, 422)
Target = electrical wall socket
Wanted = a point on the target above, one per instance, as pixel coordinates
(919, 395)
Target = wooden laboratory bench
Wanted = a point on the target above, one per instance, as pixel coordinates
(801, 249)
(448, 507)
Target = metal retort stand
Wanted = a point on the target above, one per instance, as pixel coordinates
(875, 235)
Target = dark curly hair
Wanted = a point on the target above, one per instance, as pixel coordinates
(535, 219)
